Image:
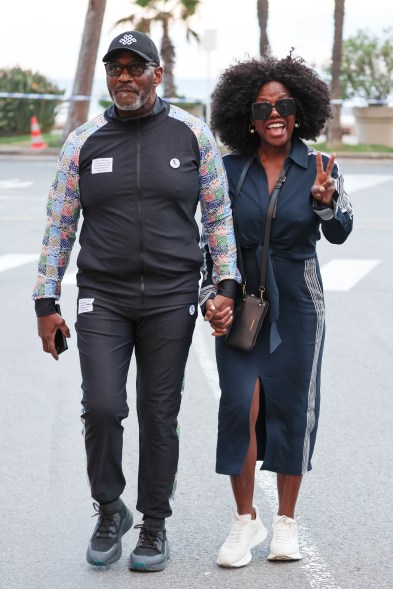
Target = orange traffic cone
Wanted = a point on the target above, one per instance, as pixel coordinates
(37, 141)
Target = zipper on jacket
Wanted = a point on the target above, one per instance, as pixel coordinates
(140, 213)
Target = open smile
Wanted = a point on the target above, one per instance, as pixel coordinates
(276, 127)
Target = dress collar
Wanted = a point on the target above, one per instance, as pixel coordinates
(299, 153)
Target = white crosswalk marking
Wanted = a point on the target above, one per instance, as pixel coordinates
(355, 182)
(337, 275)
(69, 278)
(14, 183)
(343, 274)
(9, 261)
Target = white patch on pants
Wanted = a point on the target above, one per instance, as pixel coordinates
(85, 305)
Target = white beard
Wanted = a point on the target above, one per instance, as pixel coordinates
(134, 106)
(140, 99)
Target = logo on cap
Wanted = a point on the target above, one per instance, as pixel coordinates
(127, 40)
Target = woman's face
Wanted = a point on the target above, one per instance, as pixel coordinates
(276, 131)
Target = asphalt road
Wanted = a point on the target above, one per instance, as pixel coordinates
(344, 509)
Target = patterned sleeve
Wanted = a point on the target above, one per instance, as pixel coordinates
(208, 289)
(214, 201)
(216, 210)
(337, 222)
(63, 211)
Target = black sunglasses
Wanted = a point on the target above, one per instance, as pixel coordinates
(261, 111)
(114, 69)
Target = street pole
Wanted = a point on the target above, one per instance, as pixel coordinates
(209, 44)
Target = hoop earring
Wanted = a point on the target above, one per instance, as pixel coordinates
(297, 124)
(251, 128)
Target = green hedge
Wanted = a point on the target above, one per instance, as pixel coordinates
(16, 113)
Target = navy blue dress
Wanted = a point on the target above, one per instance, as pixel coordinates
(288, 354)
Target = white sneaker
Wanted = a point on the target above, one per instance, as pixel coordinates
(284, 544)
(244, 534)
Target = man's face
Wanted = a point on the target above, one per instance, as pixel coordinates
(133, 95)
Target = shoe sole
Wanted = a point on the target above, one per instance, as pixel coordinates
(142, 567)
(127, 523)
(295, 556)
(248, 556)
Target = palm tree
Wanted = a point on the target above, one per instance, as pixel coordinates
(83, 81)
(164, 13)
(334, 129)
(263, 13)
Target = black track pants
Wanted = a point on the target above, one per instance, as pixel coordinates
(107, 335)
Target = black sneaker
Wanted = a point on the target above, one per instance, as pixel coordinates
(114, 520)
(152, 551)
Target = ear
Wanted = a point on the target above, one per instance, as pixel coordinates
(158, 74)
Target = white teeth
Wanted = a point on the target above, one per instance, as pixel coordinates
(275, 126)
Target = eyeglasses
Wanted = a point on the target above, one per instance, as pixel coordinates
(261, 111)
(133, 69)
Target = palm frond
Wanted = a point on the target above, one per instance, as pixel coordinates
(127, 19)
(190, 34)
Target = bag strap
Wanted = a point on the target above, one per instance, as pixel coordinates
(238, 188)
(270, 215)
(241, 180)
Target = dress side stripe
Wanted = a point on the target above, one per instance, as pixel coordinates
(316, 293)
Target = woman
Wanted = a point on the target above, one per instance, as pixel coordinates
(262, 110)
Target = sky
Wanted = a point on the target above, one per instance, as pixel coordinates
(45, 35)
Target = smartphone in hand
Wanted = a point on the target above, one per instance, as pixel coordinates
(60, 339)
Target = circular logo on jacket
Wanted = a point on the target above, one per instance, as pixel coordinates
(191, 310)
(174, 163)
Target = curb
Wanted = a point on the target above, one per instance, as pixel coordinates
(366, 155)
(9, 150)
(54, 151)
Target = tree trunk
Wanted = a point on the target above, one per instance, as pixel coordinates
(83, 83)
(334, 132)
(168, 58)
(263, 14)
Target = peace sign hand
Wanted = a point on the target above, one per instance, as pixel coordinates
(324, 186)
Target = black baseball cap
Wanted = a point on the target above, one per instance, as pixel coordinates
(136, 42)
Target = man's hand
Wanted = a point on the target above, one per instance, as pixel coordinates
(219, 312)
(47, 327)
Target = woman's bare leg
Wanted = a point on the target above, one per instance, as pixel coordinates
(288, 490)
(243, 484)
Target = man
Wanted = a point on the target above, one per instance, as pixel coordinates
(137, 172)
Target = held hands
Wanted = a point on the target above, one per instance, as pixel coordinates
(47, 327)
(324, 186)
(219, 312)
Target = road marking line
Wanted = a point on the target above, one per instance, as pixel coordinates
(343, 274)
(357, 182)
(15, 183)
(314, 566)
(69, 278)
(338, 274)
(9, 261)
(28, 197)
(383, 224)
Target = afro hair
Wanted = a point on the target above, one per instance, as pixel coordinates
(238, 87)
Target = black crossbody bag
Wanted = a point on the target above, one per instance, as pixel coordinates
(251, 310)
